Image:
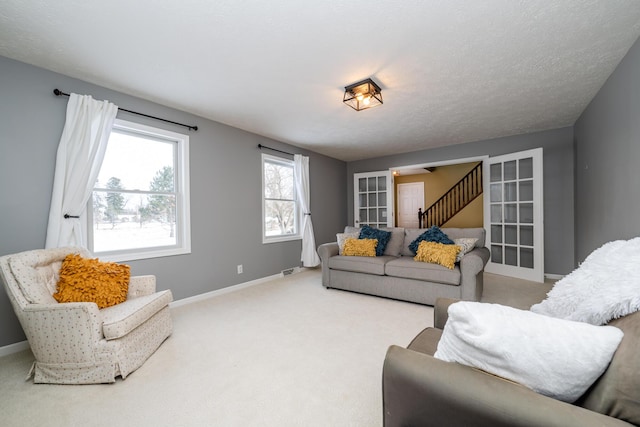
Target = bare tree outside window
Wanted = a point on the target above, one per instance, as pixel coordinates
(279, 199)
(140, 197)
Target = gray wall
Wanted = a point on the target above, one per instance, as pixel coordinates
(558, 188)
(225, 188)
(607, 145)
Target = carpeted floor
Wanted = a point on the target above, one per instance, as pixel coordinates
(283, 353)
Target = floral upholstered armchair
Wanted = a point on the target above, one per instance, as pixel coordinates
(77, 342)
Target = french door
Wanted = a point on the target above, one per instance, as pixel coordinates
(373, 199)
(513, 215)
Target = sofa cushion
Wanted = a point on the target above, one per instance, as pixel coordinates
(342, 238)
(358, 264)
(458, 233)
(90, 280)
(407, 268)
(453, 233)
(437, 253)
(410, 234)
(352, 229)
(360, 247)
(617, 392)
(466, 245)
(554, 357)
(119, 320)
(367, 232)
(433, 234)
(394, 246)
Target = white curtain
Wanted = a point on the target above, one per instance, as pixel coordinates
(309, 256)
(80, 154)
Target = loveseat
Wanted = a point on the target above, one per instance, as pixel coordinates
(76, 342)
(396, 275)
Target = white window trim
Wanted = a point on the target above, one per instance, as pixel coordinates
(289, 237)
(183, 200)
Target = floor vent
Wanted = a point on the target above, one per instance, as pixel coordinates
(288, 271)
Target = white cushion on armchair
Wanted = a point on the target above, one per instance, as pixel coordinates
(554, 357)
(120, 319)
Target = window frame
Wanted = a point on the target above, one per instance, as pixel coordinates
(267, 158)
(182, 194)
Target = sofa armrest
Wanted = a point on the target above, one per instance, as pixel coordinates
(474, 261)
(441, 311)
(419, 389)
(62, 333)
(326, 251)
(471, 269)
(141, 285)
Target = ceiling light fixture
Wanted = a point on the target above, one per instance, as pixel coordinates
(363, 95)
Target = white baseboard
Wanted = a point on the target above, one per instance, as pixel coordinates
(14, 348)
(553, 276)
(217, 292)
(24, 345)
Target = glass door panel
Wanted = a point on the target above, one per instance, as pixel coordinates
(371, 199)
(515, 215)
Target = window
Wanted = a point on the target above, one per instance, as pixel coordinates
(280, 212)
(140, 203)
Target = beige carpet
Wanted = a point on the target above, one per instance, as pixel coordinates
(283, 353)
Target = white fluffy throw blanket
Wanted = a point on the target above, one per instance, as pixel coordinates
(605, 286)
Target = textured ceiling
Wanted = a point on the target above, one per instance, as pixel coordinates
(451, 71)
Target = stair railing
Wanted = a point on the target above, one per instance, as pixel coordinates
(454, 200)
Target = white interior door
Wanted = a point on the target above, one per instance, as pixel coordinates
(410, 199)
(373, 199)
(513, 216)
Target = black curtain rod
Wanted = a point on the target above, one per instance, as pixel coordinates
(260, 146)
(58, 92)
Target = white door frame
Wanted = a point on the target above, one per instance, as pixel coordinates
(536, 273)
(539, 274)
(389, 194)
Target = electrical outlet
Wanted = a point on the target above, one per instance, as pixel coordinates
(239, 268)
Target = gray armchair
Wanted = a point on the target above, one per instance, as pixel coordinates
(419, 390)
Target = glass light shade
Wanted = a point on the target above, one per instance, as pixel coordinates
(363, 95)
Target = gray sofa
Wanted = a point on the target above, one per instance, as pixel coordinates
(396, 275)
(420, 390)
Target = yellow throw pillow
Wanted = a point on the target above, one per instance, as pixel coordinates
(90, 280)
(360, 247)
(437, 253)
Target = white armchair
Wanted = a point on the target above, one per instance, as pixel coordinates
(77, 343)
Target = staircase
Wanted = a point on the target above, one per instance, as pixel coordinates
(454, 200)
